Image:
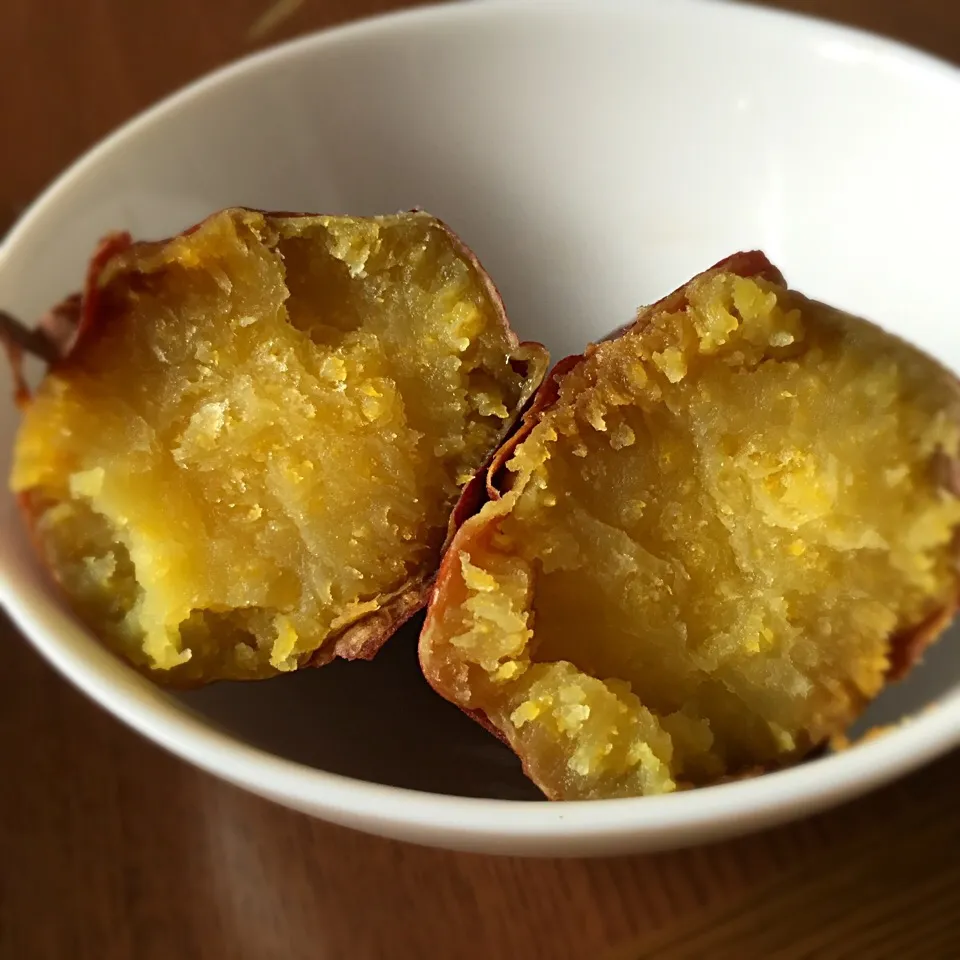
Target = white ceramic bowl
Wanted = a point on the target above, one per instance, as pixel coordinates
(594, 155)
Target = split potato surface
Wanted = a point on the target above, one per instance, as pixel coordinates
(713, 540)
(247, 460)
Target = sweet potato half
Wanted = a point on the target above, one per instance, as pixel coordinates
(246, 461)
(712, 541)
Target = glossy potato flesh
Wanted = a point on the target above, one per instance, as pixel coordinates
(707, 543)
(263, 442)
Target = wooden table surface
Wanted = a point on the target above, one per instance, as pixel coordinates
(111, 848)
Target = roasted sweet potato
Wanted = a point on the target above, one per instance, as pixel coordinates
(246, 460)
(712, 541)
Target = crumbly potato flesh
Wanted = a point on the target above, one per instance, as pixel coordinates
(707, 543)
(263, 442)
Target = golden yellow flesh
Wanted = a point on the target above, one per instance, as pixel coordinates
(264, 442)
(707, 544)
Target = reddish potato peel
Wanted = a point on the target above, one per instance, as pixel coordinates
(195, 529)
(627, 609)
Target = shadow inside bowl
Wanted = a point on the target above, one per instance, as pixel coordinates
(381, 722)
(934, 679)
(376, 721)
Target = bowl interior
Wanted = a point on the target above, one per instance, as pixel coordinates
(594, 156)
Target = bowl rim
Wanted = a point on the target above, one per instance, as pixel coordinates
(452, 820)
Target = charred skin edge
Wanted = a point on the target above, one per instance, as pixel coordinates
(363, 639)
(750, 264)
(56, 334)
(907, 646)
(90, 314)
(93, 317)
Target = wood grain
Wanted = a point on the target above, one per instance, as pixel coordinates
(110, 848)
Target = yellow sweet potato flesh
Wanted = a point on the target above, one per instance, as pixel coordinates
(263, 443)
(707, 543)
